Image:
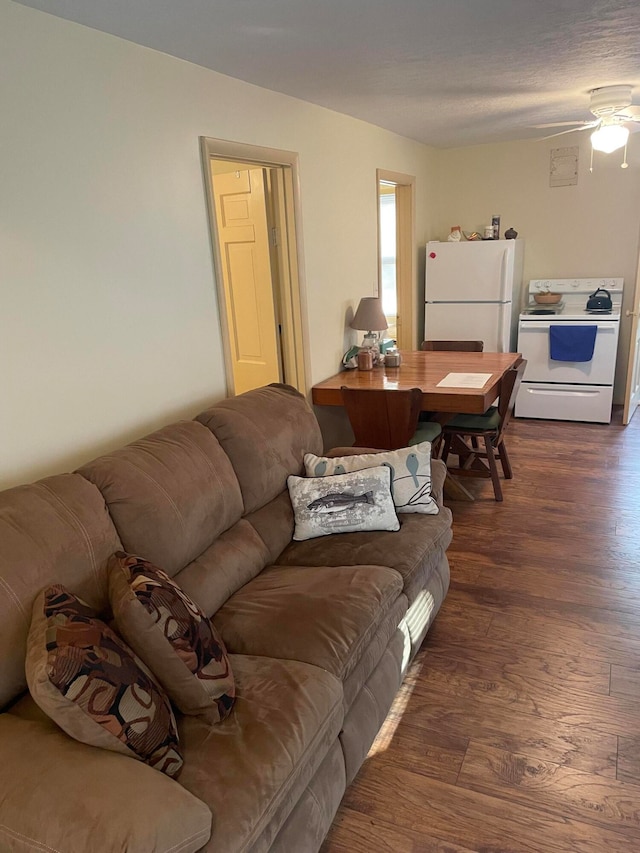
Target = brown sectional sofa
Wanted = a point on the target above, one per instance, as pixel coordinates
(319, 632)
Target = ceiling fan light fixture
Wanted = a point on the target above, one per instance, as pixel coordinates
(609, 137)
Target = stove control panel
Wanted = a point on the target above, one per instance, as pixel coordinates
(575, 285)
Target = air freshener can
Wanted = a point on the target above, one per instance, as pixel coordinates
(495, 222)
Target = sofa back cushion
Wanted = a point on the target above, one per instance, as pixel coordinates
(170, 494)
(265, 433)
(57, 530)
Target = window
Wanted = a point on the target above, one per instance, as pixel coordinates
(388, 257)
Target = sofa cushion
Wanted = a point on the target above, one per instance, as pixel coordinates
(60, 795)
(414, 551)
(92, 685)
(169, 494)
(236, 556)
(57, 530)
(265, 433)
(172, 636)
(325, 616)
(410, 469)
(254, 766)
(347, 502)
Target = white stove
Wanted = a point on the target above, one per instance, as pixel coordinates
(580, 389)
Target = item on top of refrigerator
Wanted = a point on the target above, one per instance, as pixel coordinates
(473, 236)
(488, 232)
(456, 234)
(495, 222)
(510, 234)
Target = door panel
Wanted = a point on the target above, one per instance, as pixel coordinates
(243, 237)
(632, 390)
(565, 402)
(533, 343)
(487, 322)
(468, 271)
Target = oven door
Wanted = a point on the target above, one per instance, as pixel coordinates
(533, 343)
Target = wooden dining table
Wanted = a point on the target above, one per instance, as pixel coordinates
(425, 370)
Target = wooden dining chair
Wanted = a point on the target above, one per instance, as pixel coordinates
(387, 420)
(464, 435)
(452, 346)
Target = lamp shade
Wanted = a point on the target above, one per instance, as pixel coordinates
(609, 138)
(370, 317)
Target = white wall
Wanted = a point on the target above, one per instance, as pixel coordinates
(108, 317)
(587, 230)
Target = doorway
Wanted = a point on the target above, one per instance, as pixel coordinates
(397, 283)
(252, 196)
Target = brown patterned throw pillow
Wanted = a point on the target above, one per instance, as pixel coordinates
(172, 636)
(93, 686)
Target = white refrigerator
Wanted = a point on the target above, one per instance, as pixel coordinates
(473, 292)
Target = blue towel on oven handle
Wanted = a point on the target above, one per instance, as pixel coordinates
(572, 343)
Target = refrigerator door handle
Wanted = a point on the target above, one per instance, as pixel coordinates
(503, 275)
(501, 313)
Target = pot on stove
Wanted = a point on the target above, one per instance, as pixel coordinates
(600, 301)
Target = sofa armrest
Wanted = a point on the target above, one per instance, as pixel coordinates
(58, 794)
(438, 475)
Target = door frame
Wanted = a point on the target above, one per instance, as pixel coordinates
(631, 397)
(406, 251)
(286, 210)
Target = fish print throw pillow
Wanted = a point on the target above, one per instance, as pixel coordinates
(410, 470)
(343, 504)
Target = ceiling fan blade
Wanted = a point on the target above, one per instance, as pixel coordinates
(562, 124)
(571, 130)
(630, 113)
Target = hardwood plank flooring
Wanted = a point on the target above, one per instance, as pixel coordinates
(517, 729)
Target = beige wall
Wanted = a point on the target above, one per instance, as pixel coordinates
(108, 316)
(588, 230)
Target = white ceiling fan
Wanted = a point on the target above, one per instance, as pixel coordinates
(615, 116)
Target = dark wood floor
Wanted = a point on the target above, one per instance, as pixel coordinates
(518, 727)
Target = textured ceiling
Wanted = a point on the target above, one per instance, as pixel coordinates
(444, 72)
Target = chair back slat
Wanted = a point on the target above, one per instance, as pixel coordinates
(452, 346)
(382, 419)
(509, 388)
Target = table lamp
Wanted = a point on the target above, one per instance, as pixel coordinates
(370, 318)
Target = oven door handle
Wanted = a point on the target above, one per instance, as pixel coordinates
(527, 325)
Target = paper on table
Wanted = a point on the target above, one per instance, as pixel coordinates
(464, 380)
